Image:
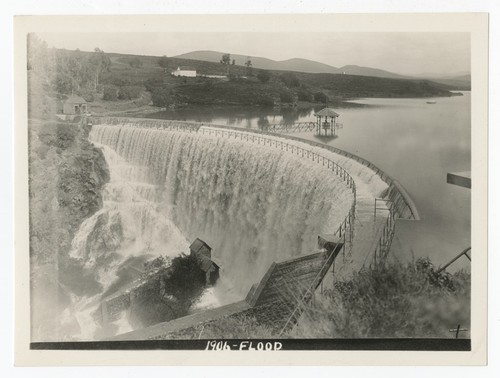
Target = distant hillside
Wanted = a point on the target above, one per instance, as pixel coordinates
(294, 64)
(304, 65)
(462, 82)
(367, 71)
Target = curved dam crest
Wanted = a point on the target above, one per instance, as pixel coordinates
(253, 204)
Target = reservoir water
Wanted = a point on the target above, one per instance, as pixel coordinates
(414, 142)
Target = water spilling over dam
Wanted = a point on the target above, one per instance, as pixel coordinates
(252, 204)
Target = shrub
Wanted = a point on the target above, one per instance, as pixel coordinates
(65, 135)
(129, 92)
(161, 97)
(116, 79)
(320, 97)
(110, 93)
(263, 76)
(304, 95)
(152, 84)
(290, 80)
(163, 62)
(287, 97)
(266, 100)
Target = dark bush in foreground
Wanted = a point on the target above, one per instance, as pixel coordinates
(171, 288)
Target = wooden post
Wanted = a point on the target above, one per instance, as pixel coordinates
(458, 330)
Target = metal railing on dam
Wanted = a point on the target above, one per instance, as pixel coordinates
(400, 203)
(345, 227)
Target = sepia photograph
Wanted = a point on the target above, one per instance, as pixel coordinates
(264, 190)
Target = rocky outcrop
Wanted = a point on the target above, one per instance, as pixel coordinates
(66, 177)
(83, 172)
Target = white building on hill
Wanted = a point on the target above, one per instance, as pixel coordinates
(184, 71)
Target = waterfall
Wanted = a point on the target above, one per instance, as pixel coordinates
(252, 204)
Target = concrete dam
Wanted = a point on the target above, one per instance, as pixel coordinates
(257, 198)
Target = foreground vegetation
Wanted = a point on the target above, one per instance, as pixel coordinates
(394, 300)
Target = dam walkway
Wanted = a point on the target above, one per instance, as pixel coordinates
(370, 243)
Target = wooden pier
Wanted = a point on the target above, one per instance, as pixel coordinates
(284, 128)
(326, 125)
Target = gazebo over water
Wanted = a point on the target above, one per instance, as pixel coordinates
(326, 121)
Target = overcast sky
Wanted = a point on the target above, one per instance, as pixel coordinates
(403, 53)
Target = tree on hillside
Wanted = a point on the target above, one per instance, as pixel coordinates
(321, 97)
(163, 62)
(38, 55)
(72, 72)
(100, 63)
(234, 62)
(226, 59)
(249, 69)
(264, 76)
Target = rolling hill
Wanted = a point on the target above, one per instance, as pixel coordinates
(294, 64)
